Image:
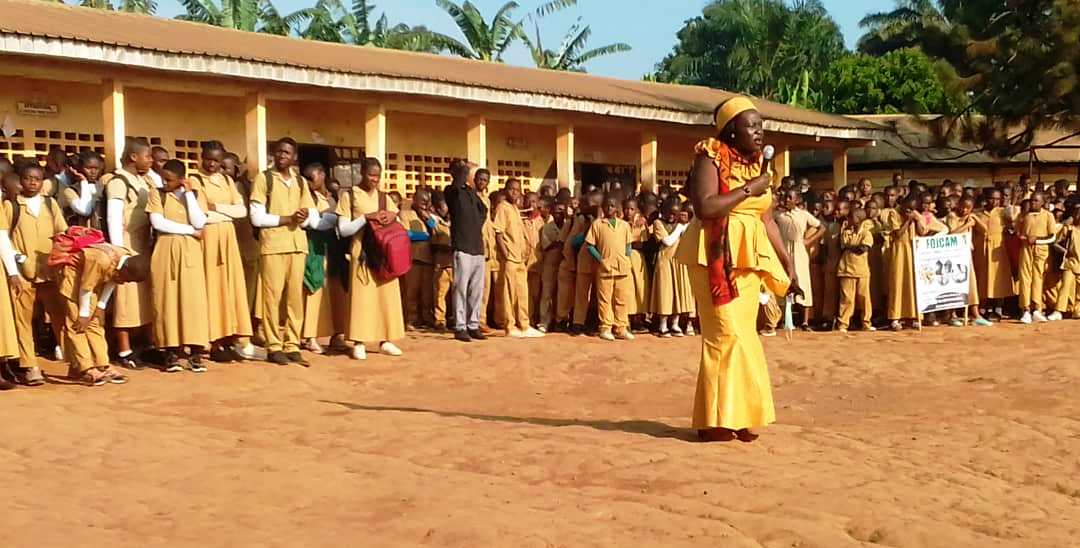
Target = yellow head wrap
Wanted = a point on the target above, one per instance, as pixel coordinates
(732, 108)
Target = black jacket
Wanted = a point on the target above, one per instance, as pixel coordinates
(467, 215)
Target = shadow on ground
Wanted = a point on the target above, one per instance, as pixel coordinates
(648, 428)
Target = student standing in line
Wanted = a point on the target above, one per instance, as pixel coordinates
(534, 218)
(638, 306)
(127, 191)
(418, 289)
(226, 287)
(513, 252)
(991, 262)
(800, 230)
(853, 271)
(1070, 268)
(550, 249)
(666, 280)
(443, 254)
(281, 206)
(34, 220)
(326, 271)
(178, 277)
(608, 243)
(375, 313)
(1037, 229)
(80, 198)
(586, 267)
(901, 303)
(963, 220)
(9, 340)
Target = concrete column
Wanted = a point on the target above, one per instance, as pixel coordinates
(648, 167)
(112, 112)
(781, 164)
(375, 133)
(255, 133)
(476, 149)
(839, 168)
(564, 156)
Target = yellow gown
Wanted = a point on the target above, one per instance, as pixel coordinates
(375, 314)
(639, 274)
(9, 341)
(226, 285)
(991, 260)
(666, 282)
(733, 386)
(901, 303)
(177, 279)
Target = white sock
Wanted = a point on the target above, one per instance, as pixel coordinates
(125, 353)
(663, 324)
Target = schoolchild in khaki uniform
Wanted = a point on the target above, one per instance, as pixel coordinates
(80, 199)
(481, 179)
(832, 248)
(9, 341)
(1037, 229)
(551, 258)
(534, 224)
(567, 276)
(226, 286)
(1069, 240)
(86, 289)
(419, 284)
(667, 277)
(39, 218)
(126, 192)
(608, 244)
(513, 252)
(375, 313)
(638, 307)
(853, 270)
(326, 303)
(443, 254)
(177, 274)
(585, 279)
(992, 265)
(281, 206)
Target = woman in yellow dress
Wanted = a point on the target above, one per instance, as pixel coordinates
(375, 314)
(178, 279)
(226, 286)
(733, 248)
(9, 342)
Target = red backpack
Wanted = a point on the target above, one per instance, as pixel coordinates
(387, 248)
(67, 245)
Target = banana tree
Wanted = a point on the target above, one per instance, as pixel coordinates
(487, 41)
(571, 54)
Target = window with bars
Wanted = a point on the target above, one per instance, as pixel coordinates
(71, 142)
(517, 169)
(407, 172)
(672, 178)
(15, 146)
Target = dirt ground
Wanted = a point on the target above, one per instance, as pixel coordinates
(950, 437)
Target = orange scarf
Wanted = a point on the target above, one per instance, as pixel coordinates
(721, 284)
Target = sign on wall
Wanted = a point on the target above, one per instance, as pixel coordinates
(27, 108)
(942, 272)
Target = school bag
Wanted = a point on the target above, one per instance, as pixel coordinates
(16, 211)
(67, 245)
(387, 248)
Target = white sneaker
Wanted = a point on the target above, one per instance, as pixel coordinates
(1055, 317)
(1026, 318)
(359, 352)
(542, 328)
(390, 349)
(312, 345)
(531, 333)
(1039, 316)
(251, 352)
(515, 333)
(626, 335)
(690, 331)
(58, 354)
(606, 335)
(676, 332)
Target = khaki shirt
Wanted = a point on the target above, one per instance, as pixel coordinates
(135, 196)
(33, 235)
(284, 201)
(853, 265)
(1038, 225)
(508, 224)
(533, 227)
(551, 234)
(98, 267)
(1072, 249)
(441, 244)
(611, 240)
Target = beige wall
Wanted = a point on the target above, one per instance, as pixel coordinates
(524, 151)
(181, 121)
(78, 124)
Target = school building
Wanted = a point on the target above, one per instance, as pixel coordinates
(78, 77)
(910, 149)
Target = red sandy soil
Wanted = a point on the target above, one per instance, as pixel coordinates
(950, 437)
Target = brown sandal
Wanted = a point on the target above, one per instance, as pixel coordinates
(94, 377)
(114, 377)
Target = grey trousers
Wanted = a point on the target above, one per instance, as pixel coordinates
(468, 290)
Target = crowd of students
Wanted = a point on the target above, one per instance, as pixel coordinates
(854, 251)
(208, 263)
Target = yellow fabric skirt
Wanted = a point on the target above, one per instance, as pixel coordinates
(733, 387)
(9, 340)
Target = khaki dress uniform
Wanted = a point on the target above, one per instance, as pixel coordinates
(32, 237)
(132, 306)
(283, 254)
(550, 249)
(375, 314)
(9, 341)
(178, 278)
(419, 288)
(325, 310)
(226, 286)
(993, 268)
(513, 281)
(639, 273)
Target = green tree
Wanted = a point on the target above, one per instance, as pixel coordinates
(571, 54)
(249, 15)
(330, 21)
(131, 6)
(759, 47)
(488, 41)
(900, 81)
(911, 23)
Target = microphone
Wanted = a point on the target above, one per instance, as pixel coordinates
(767, 154)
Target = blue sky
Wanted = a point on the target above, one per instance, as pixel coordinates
(647, 25)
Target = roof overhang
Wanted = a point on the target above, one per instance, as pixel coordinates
(77, 50)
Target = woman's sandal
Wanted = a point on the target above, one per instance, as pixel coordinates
(715, 435)
(745, 435)
(115, 377)
(94, 377)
